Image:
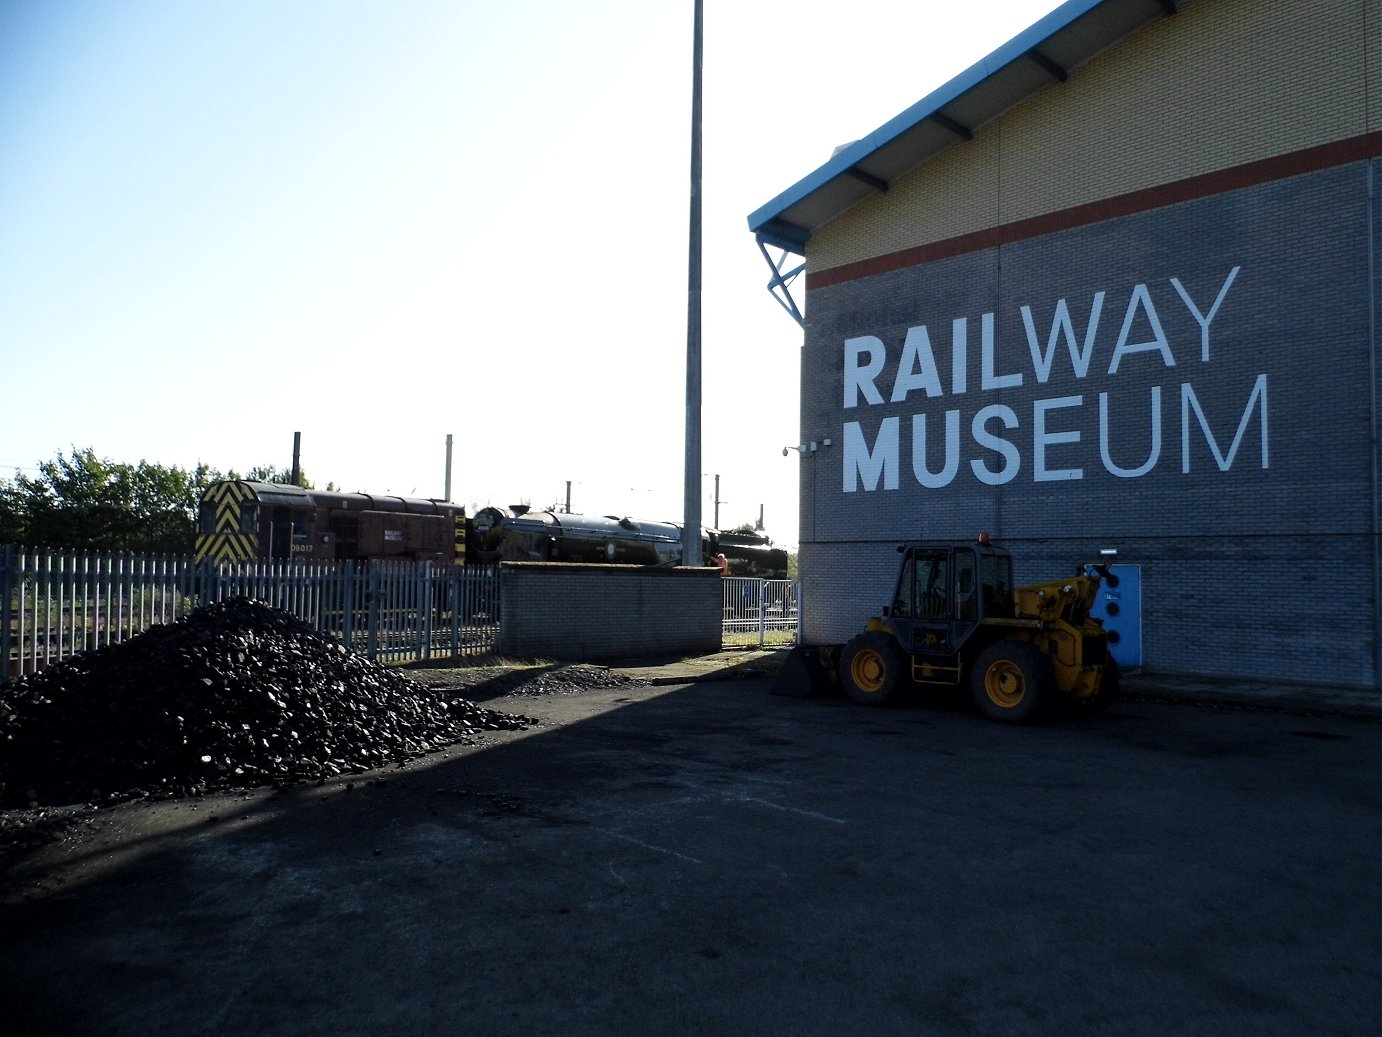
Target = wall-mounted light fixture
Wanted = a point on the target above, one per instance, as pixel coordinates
(806, 448)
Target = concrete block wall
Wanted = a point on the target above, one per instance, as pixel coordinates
(608, 613)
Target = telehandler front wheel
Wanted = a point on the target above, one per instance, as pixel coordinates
(874, 669)
(1013, 681)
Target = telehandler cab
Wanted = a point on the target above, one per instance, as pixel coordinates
(955, 616)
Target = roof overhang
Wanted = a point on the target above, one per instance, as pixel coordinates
(1036, 58)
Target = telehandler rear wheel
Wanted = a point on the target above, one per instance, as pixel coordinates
(874, 669)
(1013, 681)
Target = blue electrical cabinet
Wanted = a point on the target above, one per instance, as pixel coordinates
(1119, 607)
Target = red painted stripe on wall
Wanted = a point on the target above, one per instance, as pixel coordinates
(1251, 174)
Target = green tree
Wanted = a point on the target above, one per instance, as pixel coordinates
(11, 515)
(82, 502)
(86, 503)
(282, 476)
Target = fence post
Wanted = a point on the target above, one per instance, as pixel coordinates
(425, 606)
(762, 612)
(372, 601)
(348, 607)
(22, 583)
(7, 601)
(455, 601)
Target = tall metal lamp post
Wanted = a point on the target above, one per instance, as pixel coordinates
(691, 527)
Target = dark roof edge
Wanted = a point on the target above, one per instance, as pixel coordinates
(762, 220)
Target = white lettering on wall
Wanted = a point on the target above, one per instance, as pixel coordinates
(935, 480)
(1202, 319)
(1153, 455)
(867, 466)
(959, 355)
(1012, 459)
(1141, 300)
(990, 380)
(861, 378)
(1188, 401)
(1061, 326)
(1058, 450)
(917, 369)
(1041, 439)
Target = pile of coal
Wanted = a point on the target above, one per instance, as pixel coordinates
(574, 679)
(234, 695)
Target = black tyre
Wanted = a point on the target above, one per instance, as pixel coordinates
(874, 670)
(1013, 682)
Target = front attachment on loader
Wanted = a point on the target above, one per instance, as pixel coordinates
(808, 671)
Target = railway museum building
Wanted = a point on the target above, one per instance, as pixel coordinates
(1112, 294)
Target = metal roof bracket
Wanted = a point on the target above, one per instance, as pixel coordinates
(958, 128)
(1057, 71)
(876, 182)
(780, 284)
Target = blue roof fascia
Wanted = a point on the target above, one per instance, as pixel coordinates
(1031, 37)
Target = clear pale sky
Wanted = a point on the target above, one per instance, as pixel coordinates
(377, 223)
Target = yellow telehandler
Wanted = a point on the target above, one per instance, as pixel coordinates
(956, 617)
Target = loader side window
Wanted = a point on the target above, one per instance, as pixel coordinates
(966, 586)
(996, 580)
(931, 586)
(902, 604)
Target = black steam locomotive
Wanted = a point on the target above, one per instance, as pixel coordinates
(520, 535)
(245, 520)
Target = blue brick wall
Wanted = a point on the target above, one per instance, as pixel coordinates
(1249, 568)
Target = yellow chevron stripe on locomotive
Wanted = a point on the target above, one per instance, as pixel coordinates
(228, 498)
(220, 533)
(227, 547)
(460, 537)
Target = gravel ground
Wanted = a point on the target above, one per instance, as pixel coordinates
(495, 681)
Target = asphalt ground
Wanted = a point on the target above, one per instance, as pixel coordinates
(1138, 685)
(709, 858)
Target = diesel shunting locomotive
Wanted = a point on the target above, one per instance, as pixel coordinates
(241, 520)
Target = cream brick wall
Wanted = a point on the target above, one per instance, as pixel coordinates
(1222, 83)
